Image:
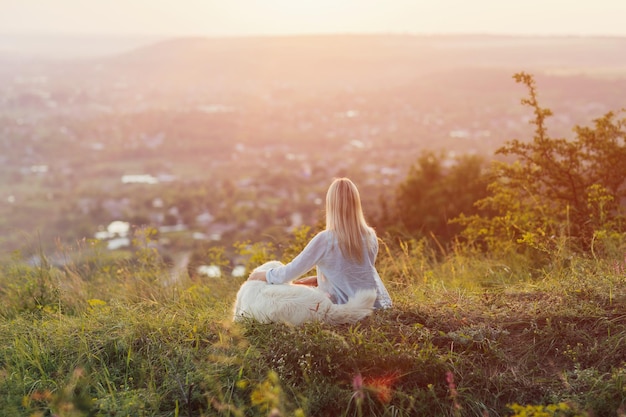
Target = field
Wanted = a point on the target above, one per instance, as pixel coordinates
(469, 335)
(508, 273)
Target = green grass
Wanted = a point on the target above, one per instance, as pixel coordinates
(468, 336)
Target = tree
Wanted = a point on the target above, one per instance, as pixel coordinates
(435, 191)
(555, 189)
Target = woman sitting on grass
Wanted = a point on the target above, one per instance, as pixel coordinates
(344, 253)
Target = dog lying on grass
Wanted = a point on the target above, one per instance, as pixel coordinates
(296, 304)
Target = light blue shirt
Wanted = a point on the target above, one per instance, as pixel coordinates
(337, 276)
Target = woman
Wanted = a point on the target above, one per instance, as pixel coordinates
(344, 253)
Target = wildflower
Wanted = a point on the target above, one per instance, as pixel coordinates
(382, 387)
(379, 386)
(274, 413)
(454, 394)
(43, 396)
(357, 386)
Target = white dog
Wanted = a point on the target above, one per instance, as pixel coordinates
(296, 304)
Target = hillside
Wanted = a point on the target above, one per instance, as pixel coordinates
(467, 336)
(373, 61)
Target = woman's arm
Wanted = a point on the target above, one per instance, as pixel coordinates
(302, 263)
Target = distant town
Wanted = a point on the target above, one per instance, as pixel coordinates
(100, 147)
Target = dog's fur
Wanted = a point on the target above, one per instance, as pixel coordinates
(296, 304)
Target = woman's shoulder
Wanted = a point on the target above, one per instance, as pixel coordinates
(370, 234)
(321, 236)
(325, 235)
(326, 238)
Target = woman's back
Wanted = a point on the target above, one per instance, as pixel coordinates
(342, 277)
(337, 275)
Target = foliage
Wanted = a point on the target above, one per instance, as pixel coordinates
(556, 190)
(256, 253)
(433, 193)
(551, 410)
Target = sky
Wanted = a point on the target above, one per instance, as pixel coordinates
(287, 17)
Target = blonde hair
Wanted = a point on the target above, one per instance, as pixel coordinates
(344, 216)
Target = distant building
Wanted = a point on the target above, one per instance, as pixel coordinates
(116, 235)
(139, 179)
(211, 271)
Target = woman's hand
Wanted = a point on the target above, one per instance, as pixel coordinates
(257, 276)
(309, 281)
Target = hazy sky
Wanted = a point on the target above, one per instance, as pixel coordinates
(251, 17)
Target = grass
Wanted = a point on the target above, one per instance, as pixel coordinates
(468, 336)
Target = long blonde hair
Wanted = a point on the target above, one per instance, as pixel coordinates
(344, 216)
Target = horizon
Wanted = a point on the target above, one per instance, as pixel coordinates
(92, 45)
(59, 39)
(77, 46)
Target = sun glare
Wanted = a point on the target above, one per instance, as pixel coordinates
(288, 16)
(279, 17)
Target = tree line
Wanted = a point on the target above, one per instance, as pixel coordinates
(537, 196)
